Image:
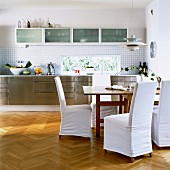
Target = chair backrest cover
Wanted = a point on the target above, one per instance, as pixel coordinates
(142, 104)
(164, 104)
(60, 93)
(101, 80)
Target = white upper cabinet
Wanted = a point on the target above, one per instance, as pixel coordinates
(85, 35)
(61, 35)
(70, 35)
(113, 35)
(27, 35)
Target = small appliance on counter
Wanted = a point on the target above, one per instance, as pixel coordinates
(50, 69)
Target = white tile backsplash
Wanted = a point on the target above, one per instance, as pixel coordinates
(42, 54)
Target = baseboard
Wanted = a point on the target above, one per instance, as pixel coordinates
(29, 108)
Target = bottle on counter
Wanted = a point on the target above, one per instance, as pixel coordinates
(145, 69)
(140, 68)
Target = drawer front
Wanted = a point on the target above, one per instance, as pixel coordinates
(44, 87)
(4, 91)
(46, 99)
(4, 101)
(3, 80)
(114, 78)
(131, 84)
(44, 79)
(69, 95)
(123, 80)
(131, 78)
(82, 99)
(84, 78)
(3, 94)
(20, 91)
(70, 98)
(70, 101)
(67, 78)
(68, 87)
(79, 86)
(19, 101)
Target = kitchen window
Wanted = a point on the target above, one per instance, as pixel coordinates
(100, 63)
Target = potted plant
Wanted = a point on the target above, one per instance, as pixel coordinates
(89, 70)
(148, 73)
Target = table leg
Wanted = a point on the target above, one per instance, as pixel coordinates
(130, 100)
(127, 101)
(97, 115)
(126, 106)
(120, 107)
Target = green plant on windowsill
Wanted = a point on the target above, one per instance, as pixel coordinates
(89, 67)
(143, 73)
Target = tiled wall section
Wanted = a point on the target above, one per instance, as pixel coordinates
(41, 55)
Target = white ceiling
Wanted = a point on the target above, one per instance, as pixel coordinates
(96, 4)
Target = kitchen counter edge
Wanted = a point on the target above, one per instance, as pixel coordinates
(57, 75)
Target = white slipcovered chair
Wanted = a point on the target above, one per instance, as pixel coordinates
(161, 117)
(75, 119)
(130, 133)
(101, 80)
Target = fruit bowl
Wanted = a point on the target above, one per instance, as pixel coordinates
(17, 71)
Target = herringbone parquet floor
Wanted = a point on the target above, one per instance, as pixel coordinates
(29, 141)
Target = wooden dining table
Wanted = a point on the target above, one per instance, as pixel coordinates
(124, 101)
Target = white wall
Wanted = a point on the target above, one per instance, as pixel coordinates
(92, 18)
(158, 29)
(152, 33)
(73, 18)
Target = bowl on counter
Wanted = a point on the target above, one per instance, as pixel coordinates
(17, 71)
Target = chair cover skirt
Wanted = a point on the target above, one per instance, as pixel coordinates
(130, 133)
(161, 117)
(160, 132)
(119, 137)
(76, 121)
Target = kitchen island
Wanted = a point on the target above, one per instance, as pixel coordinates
(32, 92)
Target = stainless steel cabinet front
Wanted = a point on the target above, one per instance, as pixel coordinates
(45, 91)
(20, 91)
(45, 87)
(124, 80)
(81, 81)
(45, 98)
(3, 91)
(68, 83)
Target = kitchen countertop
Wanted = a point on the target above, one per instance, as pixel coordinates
(28, 75)
(40, 75)
(54, 75)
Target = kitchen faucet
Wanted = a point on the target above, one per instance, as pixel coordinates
(51, 69)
